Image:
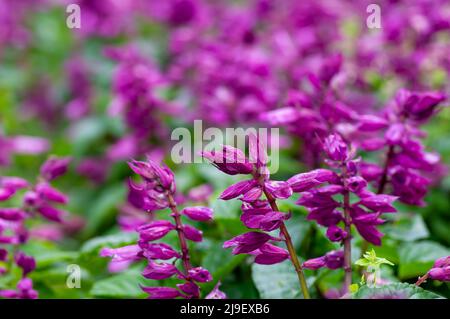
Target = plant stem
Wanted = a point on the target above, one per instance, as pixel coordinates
(290, 247)
(383, 180)
(381, 187)
(422, 279)
(179, 227)
(347, 244)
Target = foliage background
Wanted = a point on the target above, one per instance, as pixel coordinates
(414, 238)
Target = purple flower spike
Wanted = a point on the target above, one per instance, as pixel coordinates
(198, 213)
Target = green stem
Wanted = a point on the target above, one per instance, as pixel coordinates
(291, 249)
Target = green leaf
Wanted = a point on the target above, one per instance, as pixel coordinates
(124, 285)
(104, 209)
(47, 254)
(409, 228)
(277, 281)
(394, 291)
(417, 258)
(220, 262)
(94, 245)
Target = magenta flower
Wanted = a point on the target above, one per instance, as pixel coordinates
(155, 193)
(258, 213)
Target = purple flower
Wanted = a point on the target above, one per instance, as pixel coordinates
(247, 242)
(315, 263)
(190, 289)
(200, 274)
(155, 230)
(27, 263)
(198, 213)
(379, 203)
(161, 292)
(335, 148)
(441, 274)
(370, 123)
(158, 271)
(192, 233)
(269, 254)
(125, 253)
(158, 251)
(229, 160)
(49, 193)
(235, 190)
(335, 233)
(54, 167)
(12, 214)
(441, 269)
(305, 181)
(10, 185)
(278, 189)
(332, 260)
(216, 293)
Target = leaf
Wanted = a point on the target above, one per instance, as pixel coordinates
(394, 291)
(47, 254)
(220, 262)
(104, 209)
(124, 285)
(277, 281)
(417, 258)
(94, 245)
(408, 228)
(226, 209)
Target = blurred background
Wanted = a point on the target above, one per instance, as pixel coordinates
(115, 89)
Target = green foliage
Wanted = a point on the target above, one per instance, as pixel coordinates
(394, 291)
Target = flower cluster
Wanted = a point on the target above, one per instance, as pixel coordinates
(259, 209)
(407, 163)
(440, 271)
(39, 199)
(157, 192)
(328, 197)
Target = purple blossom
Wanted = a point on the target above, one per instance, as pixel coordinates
(156, 192)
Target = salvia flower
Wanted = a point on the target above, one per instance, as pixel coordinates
(259, 209)
(157, 192)
(320, 198)
(407, 165)
(39, 200)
